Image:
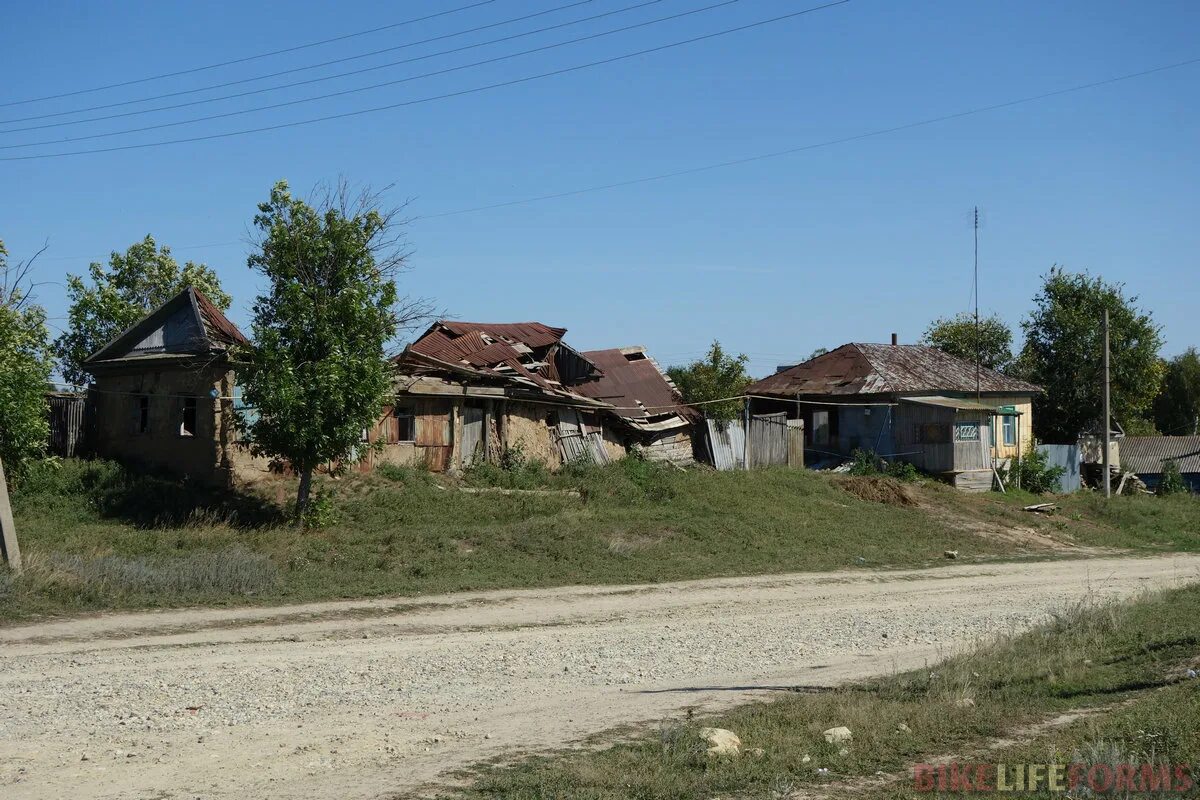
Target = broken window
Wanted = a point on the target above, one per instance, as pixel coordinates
(187, 423)
(820, 427)
(404, 427)
(141, 414)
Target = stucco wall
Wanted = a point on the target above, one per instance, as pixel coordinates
(162, 447)
(525, 428)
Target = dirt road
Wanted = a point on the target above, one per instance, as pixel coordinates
(362, 699)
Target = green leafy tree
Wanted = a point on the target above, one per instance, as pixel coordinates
(317, 373)
(990, 341)
(1064, 348)
(1177, 407)
(717, 376)
(25, 364)
(136, 282)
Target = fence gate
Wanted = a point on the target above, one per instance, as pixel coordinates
(768, 440)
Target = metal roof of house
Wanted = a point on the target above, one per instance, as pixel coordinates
(528, 353)
(1145, 454)
(187, 324)
(861, 368)
(633, 382)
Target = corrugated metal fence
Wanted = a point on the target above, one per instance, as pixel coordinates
(768, 442)
(1067, 457)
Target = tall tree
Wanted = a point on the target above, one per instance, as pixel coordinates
(1177, 407)
(317, 373)
(136, 282)
(990, 341)
(718, 375)
(1063, 353)
(25, 364)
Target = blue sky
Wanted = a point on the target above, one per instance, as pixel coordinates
(774, 258)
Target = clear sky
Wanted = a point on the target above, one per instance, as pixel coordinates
(775, 257)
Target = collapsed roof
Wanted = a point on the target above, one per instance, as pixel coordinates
(644, 396)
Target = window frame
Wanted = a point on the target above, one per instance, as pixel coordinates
(187, 404)
(400, 413)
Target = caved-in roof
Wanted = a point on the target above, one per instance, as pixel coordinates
(632, 382)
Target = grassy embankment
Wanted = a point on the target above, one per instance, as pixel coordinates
(95, 536)
(1126, 664)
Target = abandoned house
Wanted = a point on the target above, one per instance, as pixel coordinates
(165, 397)
(646, 403)
(907, 402)
(519, 388)
(158, 395)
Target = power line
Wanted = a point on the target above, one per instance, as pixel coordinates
(459, 93)
(815, 146)
(298, 69)
(244, 59)
(397, 81)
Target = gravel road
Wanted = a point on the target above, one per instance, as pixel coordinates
(365, 699)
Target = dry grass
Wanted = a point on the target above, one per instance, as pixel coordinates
(1095, 654)
(880, 489)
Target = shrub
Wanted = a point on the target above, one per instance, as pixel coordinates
(1034, 471)
(865, 463)
(1171, 481)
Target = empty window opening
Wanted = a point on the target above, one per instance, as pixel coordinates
(187, 425)
(141, 415)
(637, 355)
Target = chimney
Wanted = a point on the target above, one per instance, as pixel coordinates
(895, 340)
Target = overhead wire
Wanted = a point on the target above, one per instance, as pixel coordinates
(316, 66)
(435, 73)
(245, 59)
(447, 95)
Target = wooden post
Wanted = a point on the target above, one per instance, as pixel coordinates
(746, 436)
(1107, 411)
(8, 529)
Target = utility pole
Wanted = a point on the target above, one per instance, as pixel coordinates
(1107, 410)
(8, 530)
(978, 343)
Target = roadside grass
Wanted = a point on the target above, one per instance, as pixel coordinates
(98, 536)
(1096, 654)
(93, 533)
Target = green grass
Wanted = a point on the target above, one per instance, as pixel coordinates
(96, 536)
(407, 532)
(1093, 655)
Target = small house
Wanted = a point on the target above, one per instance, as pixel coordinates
(906, 402)
(161, 389)
(1144, 456)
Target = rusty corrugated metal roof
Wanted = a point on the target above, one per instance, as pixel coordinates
(1146, 454)
(629, 379)
(534, 334)
(216, 324)
(861, 368)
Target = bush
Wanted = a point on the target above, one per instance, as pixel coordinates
(1034, 472)
(865, 463)
(1171, 481)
